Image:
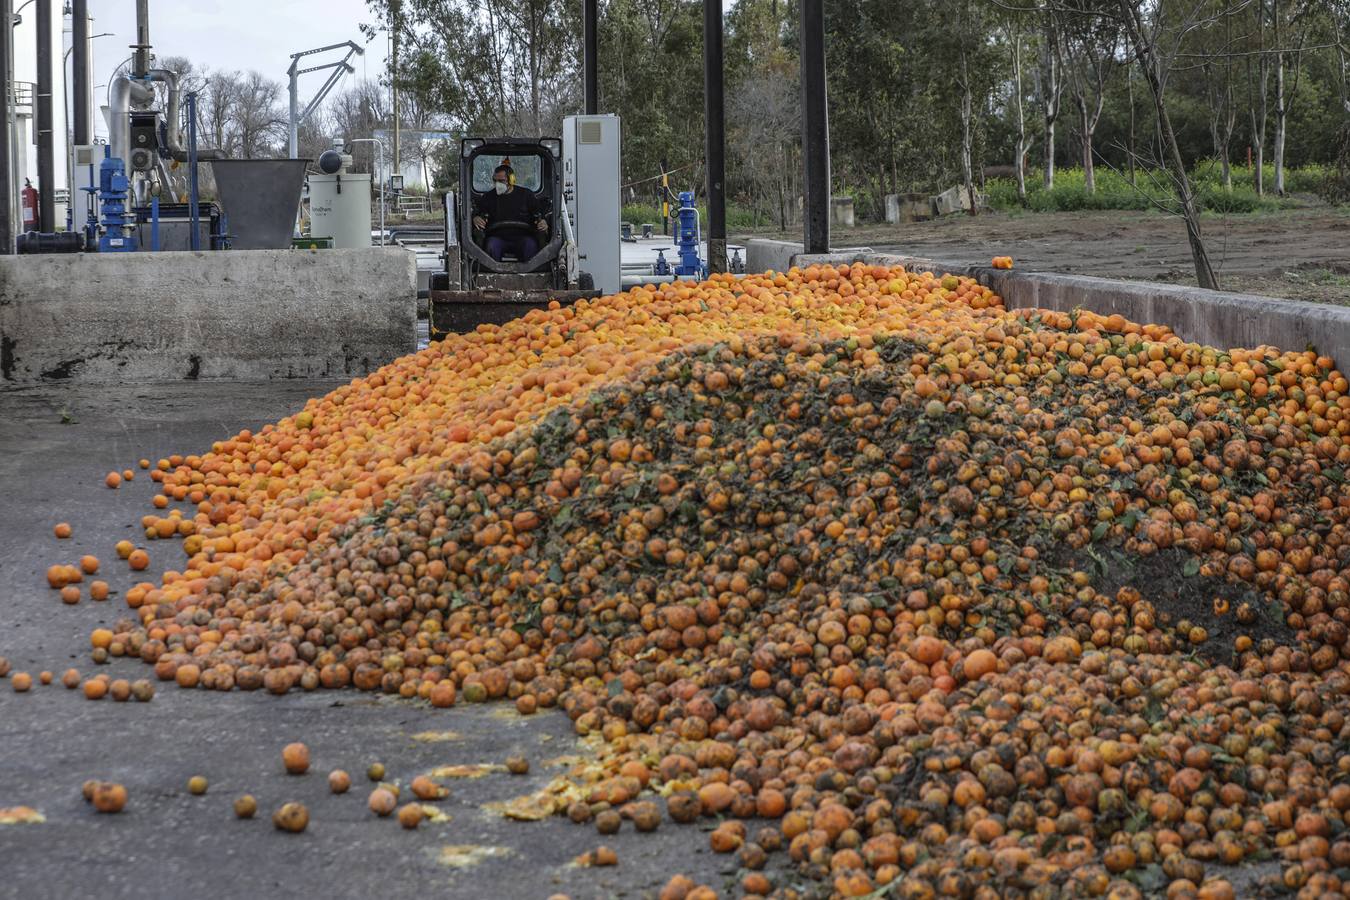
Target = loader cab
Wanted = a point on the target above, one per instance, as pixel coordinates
(538, 169)
(531, 174)
(476, 289)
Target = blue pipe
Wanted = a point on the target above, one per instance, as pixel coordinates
(154, 223)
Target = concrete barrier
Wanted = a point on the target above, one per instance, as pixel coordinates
(1217, 318)
(764, 255)
(240, 314)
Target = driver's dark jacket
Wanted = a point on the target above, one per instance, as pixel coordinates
(518, 205)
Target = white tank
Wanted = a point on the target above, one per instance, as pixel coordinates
(339, 207)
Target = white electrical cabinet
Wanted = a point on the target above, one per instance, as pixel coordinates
(591, 192)
(84, 174)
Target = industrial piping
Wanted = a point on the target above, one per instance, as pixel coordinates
(128, 91)
(45, 136)
(172, 136)
(142, 45)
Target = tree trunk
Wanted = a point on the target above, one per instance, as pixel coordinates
(1145, 55)
(966, 142)
(1051, 88)
(1049, 154)
(1130, 154)
(1085, 139)
(1281, 119)
(1019, 164)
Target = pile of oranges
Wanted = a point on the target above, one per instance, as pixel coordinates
(906, 589)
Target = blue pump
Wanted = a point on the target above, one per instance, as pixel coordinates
(113, 185)
(688, 235)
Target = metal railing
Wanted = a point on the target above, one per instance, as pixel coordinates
(21, 95)
(406, 204)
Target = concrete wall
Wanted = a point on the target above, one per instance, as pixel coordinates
(241, 314)
(1217, 318)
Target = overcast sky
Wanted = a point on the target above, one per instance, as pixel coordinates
(236, 34)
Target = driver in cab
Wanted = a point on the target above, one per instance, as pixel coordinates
(515, 211)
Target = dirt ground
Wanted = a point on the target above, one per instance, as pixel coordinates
(1301, 253)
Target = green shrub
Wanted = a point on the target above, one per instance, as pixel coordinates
(1114, 191)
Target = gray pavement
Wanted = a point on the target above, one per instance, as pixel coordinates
(167, 843)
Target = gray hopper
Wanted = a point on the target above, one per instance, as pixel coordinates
(261, 198)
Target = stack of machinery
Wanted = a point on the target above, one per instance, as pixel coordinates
(141, 191)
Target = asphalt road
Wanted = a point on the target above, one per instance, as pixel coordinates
(56, 444)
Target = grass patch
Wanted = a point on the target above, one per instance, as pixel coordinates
(1114, 190)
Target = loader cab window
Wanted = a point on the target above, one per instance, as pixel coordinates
(528, 171)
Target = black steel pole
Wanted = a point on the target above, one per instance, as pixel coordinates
(6, 158)
(815, 129)
(79, 70)
(46, 155)
(590, 81)
(714, 127)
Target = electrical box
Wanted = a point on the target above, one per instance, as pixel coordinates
(144, 141)
(83, 183)
(591, 155)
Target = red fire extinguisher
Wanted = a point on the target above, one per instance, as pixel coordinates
(29, 195)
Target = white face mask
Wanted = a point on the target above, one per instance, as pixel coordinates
(499, 187)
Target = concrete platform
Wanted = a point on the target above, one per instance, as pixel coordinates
(168, 843)
(240, 314)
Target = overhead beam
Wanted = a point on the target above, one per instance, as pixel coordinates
(293, 86)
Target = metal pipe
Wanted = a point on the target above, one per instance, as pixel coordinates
(194, 193)
(815, 128)
(142, 45)
(173, 135)
(119, 122)
(79, 69)
(398, 139)
(715, 131)
(295, 110)
(45, 142)
(589, 63)
(7, 192)
(379, 161)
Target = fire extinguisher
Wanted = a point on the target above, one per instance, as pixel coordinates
(29, 195)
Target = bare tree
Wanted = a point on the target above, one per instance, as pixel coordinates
(765, 115)
(215, 109)
(1089, 43)
(1022, 142)
(1049, 90)
(1291, 58)
(258, 116)
(359, 112)
(1143, 44)
(1340, 24)
(967, 170)
(1258, 90)
(1223, 111)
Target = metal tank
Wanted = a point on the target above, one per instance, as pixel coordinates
(339, 208)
